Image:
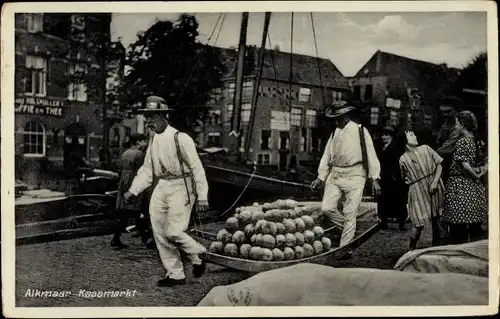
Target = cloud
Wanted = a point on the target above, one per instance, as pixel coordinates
(391, 28)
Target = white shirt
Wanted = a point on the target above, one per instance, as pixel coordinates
(344, 150)
(162, 161)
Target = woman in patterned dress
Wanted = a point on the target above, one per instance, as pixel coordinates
(466, 205)
(421, 170)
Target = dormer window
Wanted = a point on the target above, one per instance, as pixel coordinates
(34, 22)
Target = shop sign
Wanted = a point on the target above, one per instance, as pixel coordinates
(39, 106)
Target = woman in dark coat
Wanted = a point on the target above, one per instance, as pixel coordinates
(393, 198)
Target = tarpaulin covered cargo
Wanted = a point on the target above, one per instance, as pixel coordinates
(318, 285)
(470, 259)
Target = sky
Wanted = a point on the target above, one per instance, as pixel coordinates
(347, 39)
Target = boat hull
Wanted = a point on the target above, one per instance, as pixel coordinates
(273, 187)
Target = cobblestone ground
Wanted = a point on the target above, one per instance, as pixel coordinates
(90, 264)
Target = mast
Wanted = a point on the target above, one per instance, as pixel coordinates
(255, 94)
(236, 118)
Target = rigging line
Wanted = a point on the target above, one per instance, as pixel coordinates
(274, 68)
(199, 57)
(317, 60)
(220, 29)
(237, 199)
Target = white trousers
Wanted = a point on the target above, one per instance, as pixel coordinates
(170, 213)
(352, 188)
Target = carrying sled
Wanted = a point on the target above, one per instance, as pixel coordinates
(367, 226)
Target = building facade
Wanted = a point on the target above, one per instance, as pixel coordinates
(388, 85)
(59, 84)
(287, 111)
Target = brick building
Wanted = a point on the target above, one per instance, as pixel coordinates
(59, 86)
(388, 83)
(279, 127)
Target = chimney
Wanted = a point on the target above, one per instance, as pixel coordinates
(378, 62)
(277, 48)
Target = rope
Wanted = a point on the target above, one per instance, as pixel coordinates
(237, 199)
(317, 60)
(199, 54)
(274, 67)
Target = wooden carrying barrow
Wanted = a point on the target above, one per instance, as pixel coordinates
(367, 226)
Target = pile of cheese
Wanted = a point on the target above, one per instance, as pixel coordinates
(276, 231)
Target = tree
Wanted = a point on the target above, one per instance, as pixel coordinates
(166, 60)
(474, 75)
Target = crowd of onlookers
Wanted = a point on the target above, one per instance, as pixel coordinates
(445, 184)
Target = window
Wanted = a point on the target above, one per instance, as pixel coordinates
(315, 139)
(34, 22)
(263, 159)
(303, 140)
(34, 140)
(215, 96)
(356, 93)
(78, 22)
(337, 96)
(304, 95)
(230, 90)
(368, 92)
(284, 140)
(216, 116)
(77, 92)
(213, 139)
(374, 116)
(311, 118)
(245, 112)
(394, 117)
(78, 69)
(393, 103)
(213, 117)
(242, 144)
(229, 113)
(264, 139)
(296, 117)
(247, 90)
(36, 83)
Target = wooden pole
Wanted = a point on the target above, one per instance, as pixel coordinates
(236, 120)
(255, 94)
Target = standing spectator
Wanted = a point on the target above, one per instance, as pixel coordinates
(128, 165)
(421, 170)
(394, 192)
(448, 136)
(466, 205)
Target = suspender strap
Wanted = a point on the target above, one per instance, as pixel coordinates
(179, 155)
(363, 149)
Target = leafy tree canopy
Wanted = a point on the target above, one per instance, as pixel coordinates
(168, 61)
(473, 76)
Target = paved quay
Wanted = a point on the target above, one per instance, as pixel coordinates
(89, 264)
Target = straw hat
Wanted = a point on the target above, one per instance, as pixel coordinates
(155, 104)
(338, 108)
